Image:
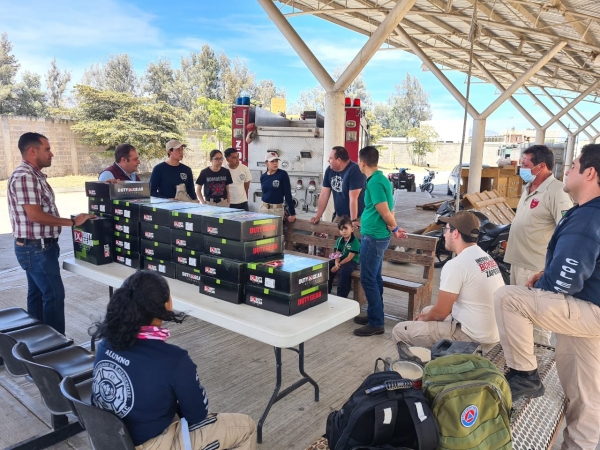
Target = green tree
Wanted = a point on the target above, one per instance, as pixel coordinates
(263, 91)
(56, 83)
(424, 141)
(219, 119)
(106, 118)
(210, 71)
(236, 79)
(409, 106)
(117, 74)
(357, 89)
(376, 131)
(312, 99)
(159, 80)
(8, 72)
(28, 97)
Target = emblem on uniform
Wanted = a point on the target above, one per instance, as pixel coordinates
(275, 183)
(183, 176)
(469, 416)
(534, 203)
(242, 176)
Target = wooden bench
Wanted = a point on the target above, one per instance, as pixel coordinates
(420, 250)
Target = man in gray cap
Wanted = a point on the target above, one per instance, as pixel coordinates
(167, 175)
(464, 310)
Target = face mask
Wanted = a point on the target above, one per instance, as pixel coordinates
(526, 174)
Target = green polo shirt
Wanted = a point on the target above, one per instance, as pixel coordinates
(378, 190)
(347, 247)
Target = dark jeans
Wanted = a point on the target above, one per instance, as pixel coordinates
(344, 277)
(45, 290)
(243, 206)
(371, 260)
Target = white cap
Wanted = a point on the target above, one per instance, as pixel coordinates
(174, 143)
(272, 156)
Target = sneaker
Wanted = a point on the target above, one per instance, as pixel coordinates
(362, 318)
(368, 330)
(522, 385)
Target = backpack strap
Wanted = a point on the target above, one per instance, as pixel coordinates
(425, 425)
(385, 422)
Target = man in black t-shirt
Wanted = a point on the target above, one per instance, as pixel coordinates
(344, 179)
(216, 180)
(167, 175)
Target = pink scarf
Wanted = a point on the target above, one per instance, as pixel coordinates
(152, 332)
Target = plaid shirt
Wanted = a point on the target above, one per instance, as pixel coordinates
(28, 186)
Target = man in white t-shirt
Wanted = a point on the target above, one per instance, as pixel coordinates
(464, 310)
(240, 174)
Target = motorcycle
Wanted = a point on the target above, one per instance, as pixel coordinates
(402, 180)
(427, 185)
(490, 240)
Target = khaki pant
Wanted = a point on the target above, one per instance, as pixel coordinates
(425, 334)
(577, 324)
(274, 210)
(518, 277)
(231, 431)
(222, 203)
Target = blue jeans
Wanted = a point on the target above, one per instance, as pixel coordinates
(45, 293)
(371, 260)
(344, 278)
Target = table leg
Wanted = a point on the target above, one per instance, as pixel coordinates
(276, 396)
(110, 292)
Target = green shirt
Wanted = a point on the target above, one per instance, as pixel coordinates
(352, 246)
(378, 189)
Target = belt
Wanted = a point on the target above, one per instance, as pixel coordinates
(45, 241)
(216, 199)
(272, 206)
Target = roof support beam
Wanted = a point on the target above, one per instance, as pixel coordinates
(585, 125)
(560, 107)
(545, 108)
(566, 109)
(365, 54)
(594, 130)
(524, 78)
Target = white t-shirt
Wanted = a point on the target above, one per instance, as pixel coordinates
(474, 276)
(239, 175)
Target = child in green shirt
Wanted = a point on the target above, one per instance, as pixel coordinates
(344, 260)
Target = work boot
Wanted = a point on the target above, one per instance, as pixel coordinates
(368, 330)
(525, 384)
(362, 318)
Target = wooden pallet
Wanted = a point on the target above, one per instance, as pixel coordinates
(433, 206)
(492, 204)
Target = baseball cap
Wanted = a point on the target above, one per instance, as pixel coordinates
(271, 156)
(174, 143)
(464, 221)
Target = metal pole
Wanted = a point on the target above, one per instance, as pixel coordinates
(383, 31)
(566, 109)
(476, 160)
(570, 152)
(545, 108)
(334, 132)
(523, 78)
(587, 124)
(297, 44)
(559, 106)
(540, 136)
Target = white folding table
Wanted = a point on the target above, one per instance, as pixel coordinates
(264, 326)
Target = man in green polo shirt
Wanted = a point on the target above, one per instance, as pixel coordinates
(376, 224)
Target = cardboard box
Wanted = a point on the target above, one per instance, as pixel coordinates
(223, 290)
(187, 239)
(127, 258)
(290, 273)
(126, 226)
(188, 274)
(119, 190)
(93, 241)
(165, 268)
(156, 250)
(130, 209)
(101, 214)
(191, 219)
(242, 226)
(160, 214)
(223, 269)
(127, 242)
(243, 251)
(99, 205)
(283, 303)
(155, 233)
(186, 257)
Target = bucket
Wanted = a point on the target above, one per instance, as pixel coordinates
(245, 100)
(424, 354)
(411, 371)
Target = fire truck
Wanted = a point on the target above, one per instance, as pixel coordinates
(299, 144)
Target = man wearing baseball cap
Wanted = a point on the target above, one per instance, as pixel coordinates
(276, 188)
(167, 175)
(464, 310)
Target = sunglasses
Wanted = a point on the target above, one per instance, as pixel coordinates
(448, 228)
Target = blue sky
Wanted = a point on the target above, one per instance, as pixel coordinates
(81, 33)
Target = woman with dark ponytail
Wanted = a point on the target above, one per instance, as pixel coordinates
(148, 383)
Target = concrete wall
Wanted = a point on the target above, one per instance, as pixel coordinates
(445, 156)
(71, 157)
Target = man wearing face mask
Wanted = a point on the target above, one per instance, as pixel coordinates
(540, 208)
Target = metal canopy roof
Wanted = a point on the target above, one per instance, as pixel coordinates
(513, 35)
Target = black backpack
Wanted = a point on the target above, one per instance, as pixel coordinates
(385, 412)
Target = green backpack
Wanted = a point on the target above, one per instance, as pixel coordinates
(471, 402)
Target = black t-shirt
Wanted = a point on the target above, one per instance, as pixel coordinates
(165, 178)
(214, 182)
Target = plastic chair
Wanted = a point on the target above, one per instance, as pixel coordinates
(38, 338)
(12, 319)
(47, 370)
(105, 430)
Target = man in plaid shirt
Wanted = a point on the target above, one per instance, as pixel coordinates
(36, 226)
